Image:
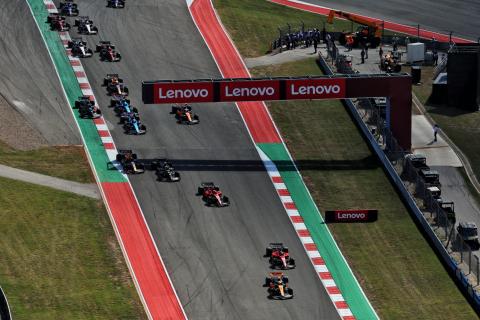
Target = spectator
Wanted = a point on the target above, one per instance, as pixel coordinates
(366, 51)
(435, 58)
(362, 55)
(436, 128)
(315, 44)
(380, 52)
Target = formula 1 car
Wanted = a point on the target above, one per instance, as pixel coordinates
(85, 26)
(108, 54)
(118, 4)
(132, 124)
(184, 114)
(68, 8)
(115, 85)
(165, 170)
(58, 23)
(79, 48)
(212, 195)
(104, 45)
(87, 108)
(279, 258)
(278, 288)
(122, 105)
(129, 162)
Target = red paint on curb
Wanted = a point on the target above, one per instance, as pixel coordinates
(333, 290)
(231, 65)
(50, 6)
(277, 179)
(283, 192)
(75, 63)
(303, 233)
(311, 247)
(150, 273)
(80, 74)
(290, 205)
(84, 86)
(103, 133)
(348, 318)
(296, 219)
(397, 27)
(109, 146)
(99, 121)
(341, 305)
(318, 261)
(325, 275)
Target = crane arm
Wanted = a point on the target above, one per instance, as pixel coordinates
(352, 17)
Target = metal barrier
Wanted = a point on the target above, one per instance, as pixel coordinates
(5, 313)
(463, 264)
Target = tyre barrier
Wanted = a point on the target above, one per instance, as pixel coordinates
(452, 267)
(5, 313)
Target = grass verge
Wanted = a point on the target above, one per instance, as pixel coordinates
(60, 257)
(396, 267)
(66, 162)
(253, 24)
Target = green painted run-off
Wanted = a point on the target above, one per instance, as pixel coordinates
(88, 129)
(335, 262)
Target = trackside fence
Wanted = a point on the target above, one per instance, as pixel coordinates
(434, 220)
(5, 313)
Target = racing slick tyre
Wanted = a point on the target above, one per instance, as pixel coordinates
(174, 110)
(119, 157)
(69, 44)
(200, 191)
(226, 201)
(268, 252)
(267, 282)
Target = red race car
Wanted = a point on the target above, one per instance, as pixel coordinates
(279, 257)
(57, 23)
(212, 195)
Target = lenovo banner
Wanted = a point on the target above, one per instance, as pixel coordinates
(321, 88)
(182, 92)
(351, 216)
(250, 90)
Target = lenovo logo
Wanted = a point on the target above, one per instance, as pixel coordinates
(183, 92)
(249, 90)
(351, 216)
(315, 89)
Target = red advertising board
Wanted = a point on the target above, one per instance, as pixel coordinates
(250, 90)
(351, 215)
(315, 89)
(182, 92)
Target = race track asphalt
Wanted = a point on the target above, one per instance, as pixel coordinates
(459, 16)
(214, 256)
(27, 77)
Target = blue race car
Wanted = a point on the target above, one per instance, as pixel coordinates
(68, 8)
